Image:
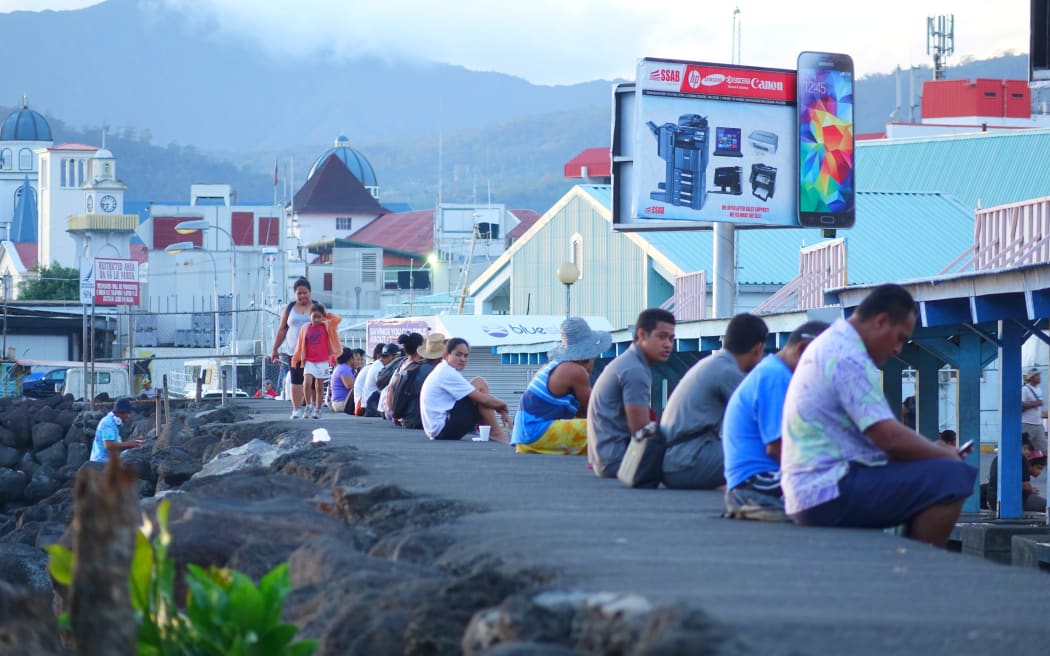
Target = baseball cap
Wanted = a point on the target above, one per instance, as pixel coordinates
(391, 349)
(1036, 454)
(123, 404)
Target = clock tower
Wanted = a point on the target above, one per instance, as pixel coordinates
(103, 192)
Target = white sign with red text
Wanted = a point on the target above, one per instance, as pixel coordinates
(712, 143)
(116, 281)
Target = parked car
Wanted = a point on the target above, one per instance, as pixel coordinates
(49, 384)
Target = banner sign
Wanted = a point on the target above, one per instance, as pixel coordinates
(709, 143)
(116, 282)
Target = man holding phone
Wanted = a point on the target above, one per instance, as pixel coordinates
(846, 460)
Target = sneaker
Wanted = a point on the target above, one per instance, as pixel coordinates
(742, 503)
(296, 414)
(317, 413)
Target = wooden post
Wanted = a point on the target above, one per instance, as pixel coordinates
(105, 519)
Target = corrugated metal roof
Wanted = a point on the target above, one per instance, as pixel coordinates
(991, 168)
(897, 235)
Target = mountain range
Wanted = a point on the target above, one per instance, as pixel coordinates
(227, 110)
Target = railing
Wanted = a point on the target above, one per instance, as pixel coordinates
(1012, 235)
(821, 267)
(689, 302)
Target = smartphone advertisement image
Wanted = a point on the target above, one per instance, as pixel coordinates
(827, 188)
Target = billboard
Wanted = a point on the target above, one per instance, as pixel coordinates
(697, 143)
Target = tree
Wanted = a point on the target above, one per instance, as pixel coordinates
(52, 283)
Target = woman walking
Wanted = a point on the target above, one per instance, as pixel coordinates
(295, 316)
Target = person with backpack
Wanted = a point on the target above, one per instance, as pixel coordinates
(296, 315)
(371, 392)
(410, 342)
(318, 344)
(451, 406)
(405, 393)
(342, 385)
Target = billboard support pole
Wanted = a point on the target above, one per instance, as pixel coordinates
(724, 249)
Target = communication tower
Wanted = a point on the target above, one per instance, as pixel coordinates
(940, 42)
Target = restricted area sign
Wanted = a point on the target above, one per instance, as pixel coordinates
(116, 282)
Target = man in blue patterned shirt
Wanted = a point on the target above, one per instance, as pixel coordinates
(846, 460)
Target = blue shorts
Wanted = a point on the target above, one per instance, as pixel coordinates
(881, 497)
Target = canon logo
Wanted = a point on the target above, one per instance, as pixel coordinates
(713, 79)
(768, 85)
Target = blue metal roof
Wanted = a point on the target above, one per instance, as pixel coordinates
(355, 162)
(988, 168)
(25, 125)
(897, 235)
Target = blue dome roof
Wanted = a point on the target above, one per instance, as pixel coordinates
(354, 161)
(25, 125)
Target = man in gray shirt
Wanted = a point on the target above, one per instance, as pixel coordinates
(620, 399)
(692, 420)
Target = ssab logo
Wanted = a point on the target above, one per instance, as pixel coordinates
(666, 75)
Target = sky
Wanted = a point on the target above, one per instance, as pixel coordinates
(570, 41)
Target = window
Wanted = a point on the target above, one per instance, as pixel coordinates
(164, 233)
(63, 166)
(25, 160)
(344, 223)
(79, 180)
(327, 282)
(268, 227)
(8, 158)
(241, 227)
(576, 252)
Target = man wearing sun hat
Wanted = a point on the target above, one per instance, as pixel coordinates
(1032, 409)
(552, 413)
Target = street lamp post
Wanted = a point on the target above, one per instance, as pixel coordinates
(175, 249)
(568, 274)
(189, 227)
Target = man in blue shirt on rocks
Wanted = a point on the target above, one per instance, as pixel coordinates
(107, 433)
(751, 431)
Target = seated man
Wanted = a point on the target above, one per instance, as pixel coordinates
(147, 390)
(692, 420)
(751, 431)
(620, 400)
(846, 461)
(948, 437)
(1032, 464)
(267, 391)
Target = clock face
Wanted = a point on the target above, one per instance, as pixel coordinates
(107, 203)
(90, 204)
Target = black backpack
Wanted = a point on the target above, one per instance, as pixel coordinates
(387, 372)
(406, 394)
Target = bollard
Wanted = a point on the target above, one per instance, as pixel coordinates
(223, 402)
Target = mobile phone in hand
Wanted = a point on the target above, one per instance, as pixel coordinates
(966, 448)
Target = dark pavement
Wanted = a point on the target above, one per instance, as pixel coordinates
(784, 590)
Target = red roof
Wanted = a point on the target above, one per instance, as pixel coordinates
(527, 218)
(73, 146)
(597, 161)
(27, 253)
(407, 232)
(334, 189)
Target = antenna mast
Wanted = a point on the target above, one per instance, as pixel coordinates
(940, 42)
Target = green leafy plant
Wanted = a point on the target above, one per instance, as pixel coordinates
(226, 613)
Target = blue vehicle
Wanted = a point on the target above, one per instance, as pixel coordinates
(48, 384)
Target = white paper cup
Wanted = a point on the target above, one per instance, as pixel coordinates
(484, 433)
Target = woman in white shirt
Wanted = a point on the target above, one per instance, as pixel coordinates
(451, 406)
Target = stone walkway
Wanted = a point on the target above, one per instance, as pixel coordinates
(782, 589)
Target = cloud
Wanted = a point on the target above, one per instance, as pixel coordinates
(568, 41)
